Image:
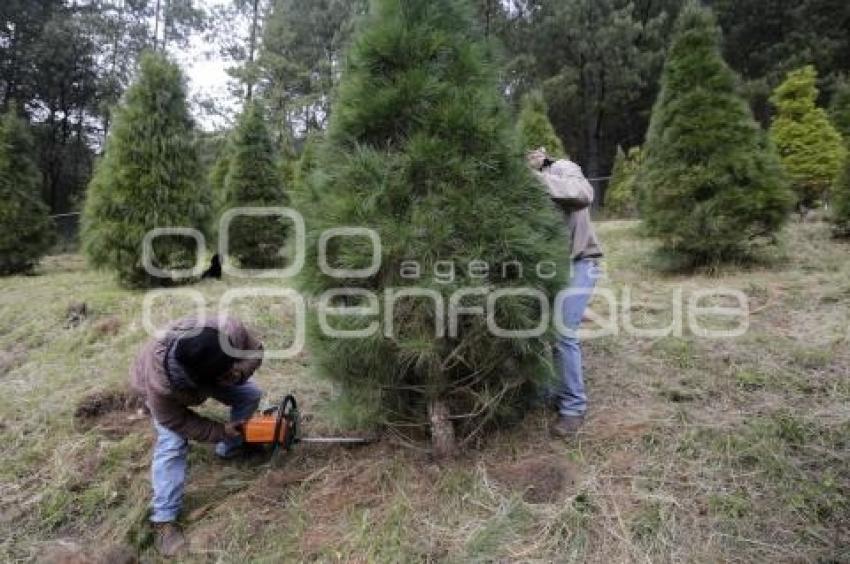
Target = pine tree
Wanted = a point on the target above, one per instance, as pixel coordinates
(147, 178)
(811, 149)
(253, 180)
(839, 109)
(534, 128)
(287, 162)
(307, 162)
(840, 113)
(26, 231)
(621, 196)
(421, 149)
(218, 182)
(840, 212)
(711, 186)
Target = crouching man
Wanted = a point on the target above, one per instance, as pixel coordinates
(183, 368)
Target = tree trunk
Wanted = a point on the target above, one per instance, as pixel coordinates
(443, 444)
(252, 48)
(156, 25)
(166, 22)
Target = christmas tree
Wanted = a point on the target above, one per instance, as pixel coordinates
(840, 212)
(421, 149)
(147, 179)
(811, 149)
(621, 195)
(534, 128)
(253, 180)
(26, 231)
(840, 113)
(711, 186)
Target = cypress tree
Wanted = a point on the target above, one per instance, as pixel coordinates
(147, 178)
(26, 231)
(811, 149)
(422, 149)
(621, 195)
(253, 180)
(711, 186)
(535, 129)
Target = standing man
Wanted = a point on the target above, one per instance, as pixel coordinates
(573, 195)
(190, 363)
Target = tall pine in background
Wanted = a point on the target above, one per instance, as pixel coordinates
(811, 149)
(422, 149)
(26, 231)
(711, 186)
(217, 180)
(534, 128)
(147, 178)
(253, 179)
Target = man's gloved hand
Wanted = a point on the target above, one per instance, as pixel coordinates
(234, 429)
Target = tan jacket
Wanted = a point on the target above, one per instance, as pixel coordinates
(170, 407)
(573, 194)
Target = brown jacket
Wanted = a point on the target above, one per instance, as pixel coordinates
(170, 407)
(568, 188)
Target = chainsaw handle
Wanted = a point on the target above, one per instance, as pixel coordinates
(287, 415)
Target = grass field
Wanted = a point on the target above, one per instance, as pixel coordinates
(696, 450)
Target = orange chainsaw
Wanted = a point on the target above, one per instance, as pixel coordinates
(280, 426)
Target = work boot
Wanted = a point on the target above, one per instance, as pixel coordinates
(168, 539)
(567, 426)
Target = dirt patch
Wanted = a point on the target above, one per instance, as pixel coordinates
(107, 326)
(358, 485)
(621, 423)
(115, 412)
(541, 480)
(356, 479)
(332, 480)
(12, 358)
(67, 552)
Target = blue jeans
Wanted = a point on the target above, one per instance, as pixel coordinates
(168, 470)
(570, 395)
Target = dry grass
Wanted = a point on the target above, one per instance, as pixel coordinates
(696, 450)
